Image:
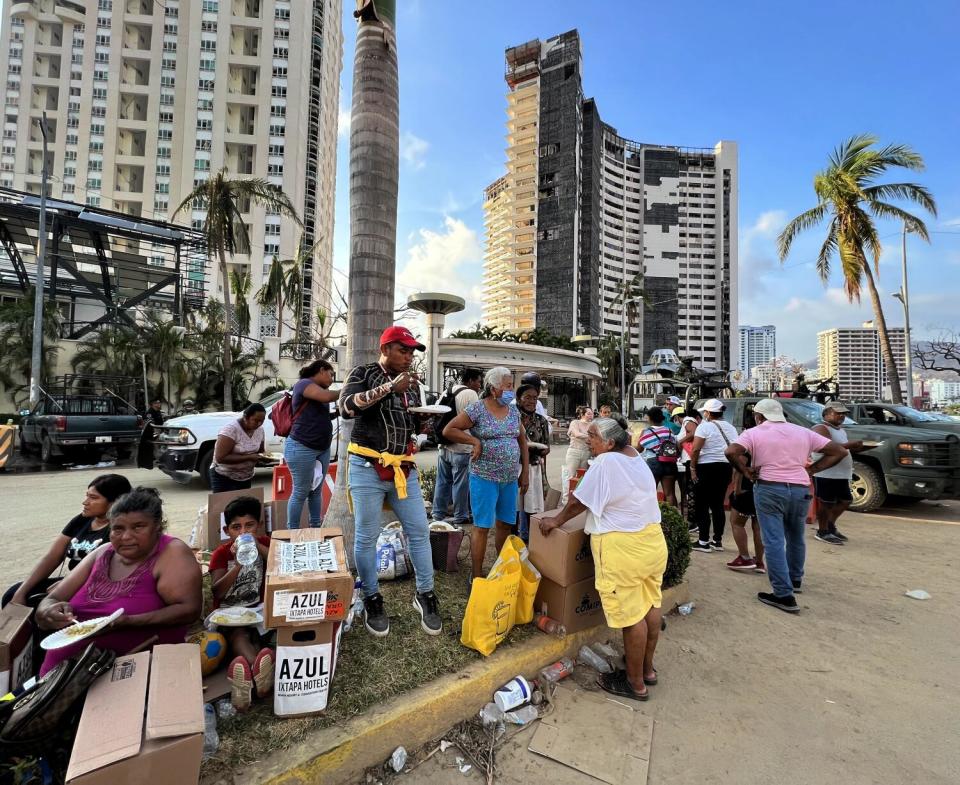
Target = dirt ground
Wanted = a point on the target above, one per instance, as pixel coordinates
(861, 687)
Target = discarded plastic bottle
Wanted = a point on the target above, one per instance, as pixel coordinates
(211, 739)
(491, 714)
(247, 552)
(550, 626)
(559, 670)
(522, 716)
(356, 607)
(686, 609)
(594, 660)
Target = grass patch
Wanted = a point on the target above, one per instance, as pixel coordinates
(369, 671)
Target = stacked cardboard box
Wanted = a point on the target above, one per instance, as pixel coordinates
(307, 594)
(567, 592)
(16, 647)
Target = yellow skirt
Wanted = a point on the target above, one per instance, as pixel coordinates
(629, 571)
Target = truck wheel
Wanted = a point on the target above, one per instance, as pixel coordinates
(867, 487)
(203, 466)
(46, 451)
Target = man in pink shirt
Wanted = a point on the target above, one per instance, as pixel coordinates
(780, 454)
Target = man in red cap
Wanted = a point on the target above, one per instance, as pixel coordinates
(378, 397)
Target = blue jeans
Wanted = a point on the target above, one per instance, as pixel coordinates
(782, 510)
(453, 484)
(368, 493)
(302, 461)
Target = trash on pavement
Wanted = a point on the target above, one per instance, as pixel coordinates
(399, 759)
(686, 609)
(514, 693)
(559, 670)
(463, 766)
(522, 716)
(211, 739)
(917, 594)
(590, 657)
(491, 714)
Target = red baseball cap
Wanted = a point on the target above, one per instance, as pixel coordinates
(401, 335)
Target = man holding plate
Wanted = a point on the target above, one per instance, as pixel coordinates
(382, 398)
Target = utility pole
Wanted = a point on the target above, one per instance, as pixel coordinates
(37, 354)
(906, 316)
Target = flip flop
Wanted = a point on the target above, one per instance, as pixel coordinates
(617, 683)
(653, 681)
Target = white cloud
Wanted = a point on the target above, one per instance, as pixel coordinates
(758, 255)
(343, 122)
(413, 150)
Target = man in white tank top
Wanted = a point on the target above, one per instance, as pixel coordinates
(832, 486)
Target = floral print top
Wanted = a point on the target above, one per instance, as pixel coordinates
(499, 460)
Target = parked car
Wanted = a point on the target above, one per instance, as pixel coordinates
(911, 463)
(879, 413)
(184, 445)
(79, 427)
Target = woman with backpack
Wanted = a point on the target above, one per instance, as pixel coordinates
(309, 440)
(659, 449)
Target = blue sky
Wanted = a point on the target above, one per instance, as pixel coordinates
(786, 81)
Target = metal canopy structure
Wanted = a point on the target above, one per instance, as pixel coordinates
(116, 261)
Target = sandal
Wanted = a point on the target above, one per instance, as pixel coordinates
(617, 683)
(653, 681)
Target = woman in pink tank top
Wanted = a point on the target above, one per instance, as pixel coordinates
(152, 576)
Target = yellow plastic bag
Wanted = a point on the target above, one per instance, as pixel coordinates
(529, 579)
(491, 609)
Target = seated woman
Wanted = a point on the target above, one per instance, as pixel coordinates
(153, 577)
(238, 449)
(84, 533)
(620, 495)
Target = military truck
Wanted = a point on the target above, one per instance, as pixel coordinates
(880, 413)
(909, 463)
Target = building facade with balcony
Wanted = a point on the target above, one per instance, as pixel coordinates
(852, 356)
(758, 346)
(145, 99)
(604, 233)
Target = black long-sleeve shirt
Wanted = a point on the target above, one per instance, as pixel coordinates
(382, 422)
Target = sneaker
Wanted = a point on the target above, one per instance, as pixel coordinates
(797, 587)
(717, 545)
(742, 564)
(788, 604)
(241, 684)
(703, 547)
(839, 536)
(760, 568)
(694, 528)
(375, 617)
(829, 538)
(263, 672)
(429, 609)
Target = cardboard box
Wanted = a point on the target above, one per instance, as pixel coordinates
(304, 669)
(577, 606)
(152, 703)
(553, 499)
(564, 556)
(16, 647)
(213, 536)
(300, 590)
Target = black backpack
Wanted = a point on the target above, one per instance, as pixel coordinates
(449, 398)
(666, 448)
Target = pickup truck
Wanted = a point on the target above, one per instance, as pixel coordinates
(79, 427)
(879, 413)
(184, 445)
(910, 463)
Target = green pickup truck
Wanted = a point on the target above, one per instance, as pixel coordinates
(908, 462)
(880, 413)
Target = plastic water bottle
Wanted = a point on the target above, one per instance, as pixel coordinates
(211, 739)
(247, 552)
(594, 660)
(550, 626)
(686, 609)
(521, 716)
(559, 670)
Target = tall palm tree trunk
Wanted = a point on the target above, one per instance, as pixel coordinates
(889, 359)
(227, 328)
(374, 176)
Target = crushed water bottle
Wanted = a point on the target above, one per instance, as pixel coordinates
(211, 739)
(686, 609)
(594, 660)
(521, 716)
(356, 608)
(247, 552)
(491, 714)
(559, 670)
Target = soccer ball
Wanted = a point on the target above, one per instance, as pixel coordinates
(213, 648)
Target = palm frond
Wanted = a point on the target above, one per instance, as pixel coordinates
(843, 156)
(914, 224)
(805, 220)
(852, 262)
(907, 192)
(827, 250)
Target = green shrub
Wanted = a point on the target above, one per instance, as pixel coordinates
(677, 534)
(428, 481)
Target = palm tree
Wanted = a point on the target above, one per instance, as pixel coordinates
(848, 195)
(225, 201)
(284, 285)
(163, 345)
(113, 350)
(240, 284)
(16, 344)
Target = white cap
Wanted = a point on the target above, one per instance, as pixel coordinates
(770, 409)
(712, 405)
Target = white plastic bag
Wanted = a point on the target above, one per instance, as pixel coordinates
(392, 560)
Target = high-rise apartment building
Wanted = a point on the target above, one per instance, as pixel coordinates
(852, 356)
(584, 214)
(758, 345)
(146, 98)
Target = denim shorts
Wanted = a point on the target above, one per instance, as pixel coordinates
(493, 501)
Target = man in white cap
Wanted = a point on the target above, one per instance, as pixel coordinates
(780, 454)
(832, 486)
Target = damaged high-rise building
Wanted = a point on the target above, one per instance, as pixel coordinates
(584, 215)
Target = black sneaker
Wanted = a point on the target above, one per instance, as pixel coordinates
(429, 609)
(829, 538)
(375, 617)
(797, 587)
(693, 528)
(838, 535)
(703, 547)
(717, 545)
(788, 604)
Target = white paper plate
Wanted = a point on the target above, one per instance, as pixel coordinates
(872, 444)
(78, 632)
(235, 617)
(435, 409)
(537, 445)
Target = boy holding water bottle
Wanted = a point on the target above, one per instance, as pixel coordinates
(236, 585)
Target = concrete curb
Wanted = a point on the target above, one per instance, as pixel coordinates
(339, 755)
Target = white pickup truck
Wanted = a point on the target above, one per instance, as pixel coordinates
(184, 445)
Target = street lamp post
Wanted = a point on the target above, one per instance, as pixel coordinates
(37, 352)
(904, 297)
